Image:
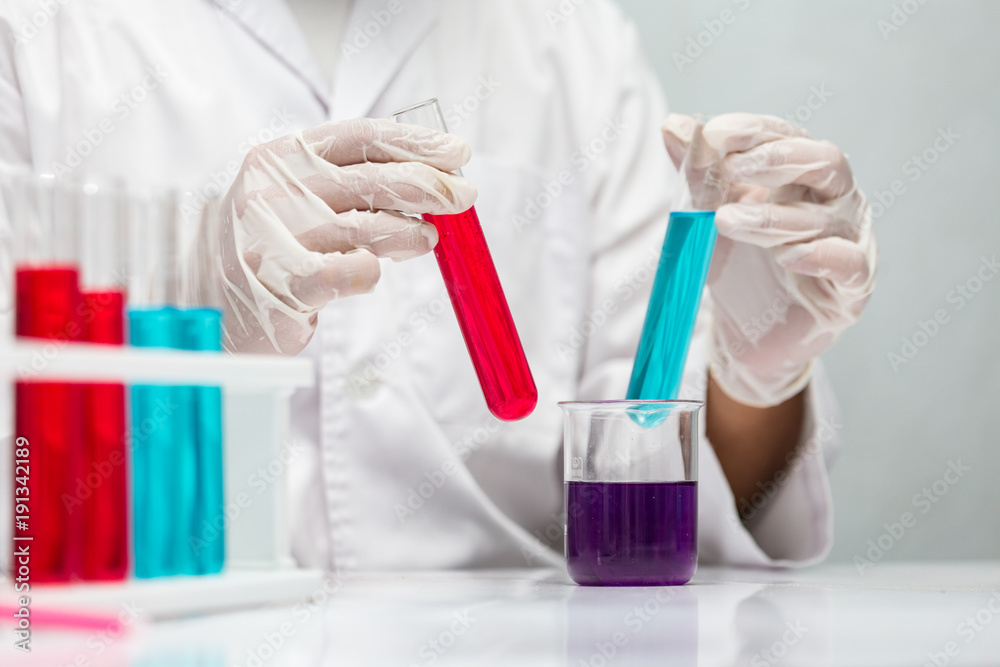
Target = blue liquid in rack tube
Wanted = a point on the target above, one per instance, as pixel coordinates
(673, 306)
(177, 435)
(155, 443)
(200, 330)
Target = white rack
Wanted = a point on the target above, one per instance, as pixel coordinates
(257, 390)
(82, 361)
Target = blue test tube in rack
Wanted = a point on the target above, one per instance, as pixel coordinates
(177, 429)
(156, 417)
(200, 330)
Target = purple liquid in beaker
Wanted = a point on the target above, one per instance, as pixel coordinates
(631, 533)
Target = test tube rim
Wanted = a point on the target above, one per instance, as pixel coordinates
(676, 402)
(414, 107)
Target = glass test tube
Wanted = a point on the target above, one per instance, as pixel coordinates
(199, 328)
(103, 275)
(478, 299)
(163, 457)
(177, 429)
(680, 279)
(47, 414)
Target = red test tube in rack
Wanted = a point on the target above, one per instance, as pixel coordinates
(47, 413)
(105, 481)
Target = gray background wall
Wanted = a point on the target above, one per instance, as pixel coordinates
(890, 93)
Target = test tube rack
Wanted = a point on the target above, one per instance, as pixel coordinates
(257, 391)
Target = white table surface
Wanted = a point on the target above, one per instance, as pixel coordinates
(895, 614)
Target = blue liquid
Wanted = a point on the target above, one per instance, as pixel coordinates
(673, 307)
(200, 330)
(177, 435)
(156, 458)
(185, 484)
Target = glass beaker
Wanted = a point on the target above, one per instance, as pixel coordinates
(631, 492)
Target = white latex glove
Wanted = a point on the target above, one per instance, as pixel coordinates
(795, 261)
(310, 214)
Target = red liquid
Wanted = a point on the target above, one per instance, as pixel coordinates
(105, 555)
(483, 315)
(48, 417)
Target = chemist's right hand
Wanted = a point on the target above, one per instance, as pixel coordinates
(310, 214)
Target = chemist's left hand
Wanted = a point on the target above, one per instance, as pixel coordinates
(795, 262)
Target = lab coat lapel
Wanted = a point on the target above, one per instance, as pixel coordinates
(376, 45)
(272, 24)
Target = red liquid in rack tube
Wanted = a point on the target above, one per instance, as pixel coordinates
(48, 424)
(105, 556)
(483, 315)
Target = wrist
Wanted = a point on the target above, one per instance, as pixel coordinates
(754, 386)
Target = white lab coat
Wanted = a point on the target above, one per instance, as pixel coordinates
(399, 463)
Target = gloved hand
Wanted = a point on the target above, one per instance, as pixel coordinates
(795, 261)
(309, 215)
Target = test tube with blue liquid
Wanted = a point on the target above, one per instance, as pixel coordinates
(199, 329)
(177, 429)
(680, 278)
(161, 482)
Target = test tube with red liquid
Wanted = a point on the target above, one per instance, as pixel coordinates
(48, 414)
(477, 298)
(105, 481)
